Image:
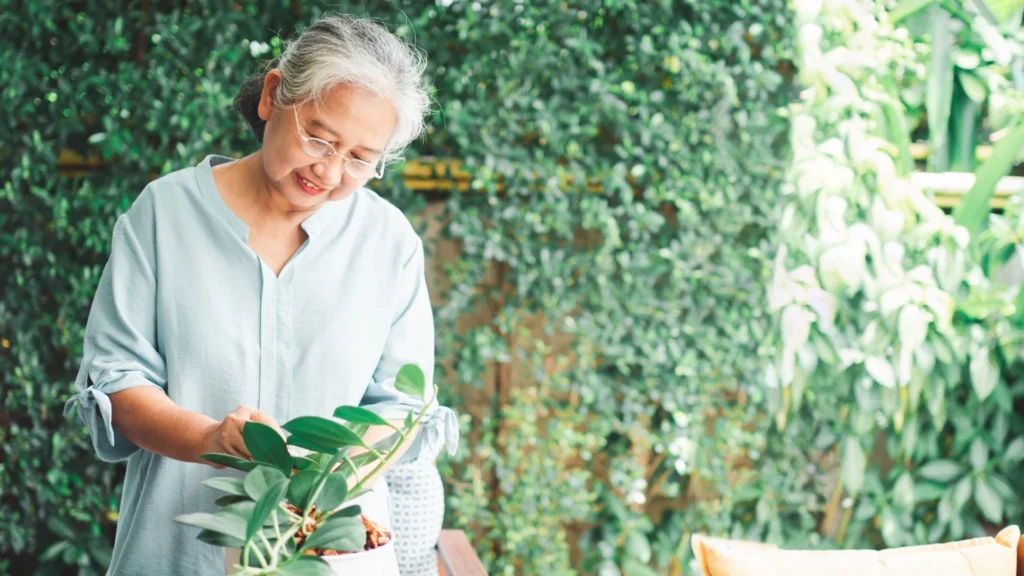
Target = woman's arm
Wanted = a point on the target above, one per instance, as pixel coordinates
(147, 417)
(410, 341)
(152, 421)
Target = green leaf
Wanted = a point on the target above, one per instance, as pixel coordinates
(267, 503)
(303, 463)
(229, 461)
(266, 445)
(228, 524)
(241, 509)
(890, 528)
(907, 8)
(300, 487)
(358, 461)
(230, 499)
(943, 471)
(927, 492)
(359, 416)
(852, 465)
(988, 501)
(61, 528)
(638, 546)
(903, 492)
(259, 480)
(1003, 10)
(978, 455)
(973, 210)
(1001, 486)
(341, 533)
(359, 429)
(306, 566)
(100, 551)
(881, 371)
(233, 486)
(410, 380)
(349, 511)
(973, 86)
(898, 133)
(54, 550)
(220, 539)
(961, 494)
(1015, 451)
(984, 373)
(634, 567)
(325, 435)
(963, 130)
(940, 90)
(333, 493)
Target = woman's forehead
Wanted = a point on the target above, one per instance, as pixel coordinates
(354, 117)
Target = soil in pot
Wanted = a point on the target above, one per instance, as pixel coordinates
(376, 536)
(377, 556)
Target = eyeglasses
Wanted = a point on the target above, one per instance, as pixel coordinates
(354, 167)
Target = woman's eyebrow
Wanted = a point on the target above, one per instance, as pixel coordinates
(321, 125)
(371, 150)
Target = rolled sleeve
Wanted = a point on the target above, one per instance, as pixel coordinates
(120, 349)
(411, 341)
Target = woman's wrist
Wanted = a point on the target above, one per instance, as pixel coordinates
(203, 439)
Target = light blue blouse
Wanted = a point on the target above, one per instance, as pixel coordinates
(185, 305)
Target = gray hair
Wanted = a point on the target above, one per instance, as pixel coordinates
(341, 50)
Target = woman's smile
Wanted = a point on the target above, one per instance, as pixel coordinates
(308, 187)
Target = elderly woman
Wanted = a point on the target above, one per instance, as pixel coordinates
(262, 289)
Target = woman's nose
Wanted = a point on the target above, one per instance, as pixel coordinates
(329, 170)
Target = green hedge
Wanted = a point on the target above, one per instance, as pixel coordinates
(592, 463)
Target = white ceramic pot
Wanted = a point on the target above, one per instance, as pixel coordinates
(380, 561)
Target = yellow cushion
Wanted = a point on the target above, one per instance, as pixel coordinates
(976, 557)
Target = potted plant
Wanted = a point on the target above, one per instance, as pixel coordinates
(292, 512)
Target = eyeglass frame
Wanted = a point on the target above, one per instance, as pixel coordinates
(333, 152)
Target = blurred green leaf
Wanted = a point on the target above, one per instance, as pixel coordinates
(907, 8)
(942, 471)
(852, 465)
(1015, 450)
(973, 210)
(940, 90)
(988, 501)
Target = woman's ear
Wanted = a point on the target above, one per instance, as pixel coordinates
(270, 83)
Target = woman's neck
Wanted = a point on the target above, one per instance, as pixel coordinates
(249, 195)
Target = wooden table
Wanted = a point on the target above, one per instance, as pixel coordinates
(456, 557)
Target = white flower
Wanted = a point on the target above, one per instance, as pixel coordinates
(258, 49)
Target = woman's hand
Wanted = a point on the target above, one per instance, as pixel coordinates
(226, 437)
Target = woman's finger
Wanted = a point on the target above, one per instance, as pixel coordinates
(238, 448)
(257, 416)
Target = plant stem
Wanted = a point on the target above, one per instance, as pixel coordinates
(287, 536)
(269, 547)
(259, 555)
(277, 532)
(390, 456)
(288, 512)
(352, 465)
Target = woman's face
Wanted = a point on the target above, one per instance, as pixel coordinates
(356, 124)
